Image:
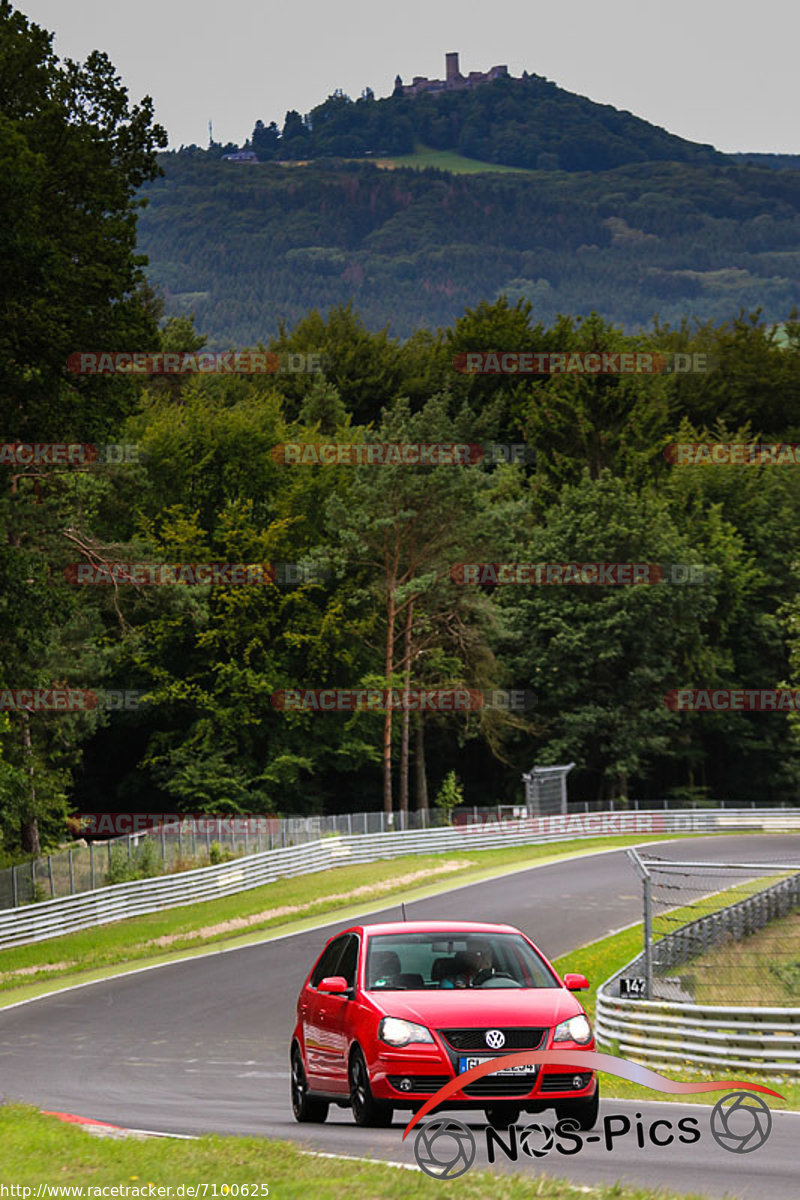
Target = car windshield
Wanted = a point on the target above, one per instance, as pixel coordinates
(423, 961)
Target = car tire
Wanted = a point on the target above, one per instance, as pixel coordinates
(367, 1111)
(500, 1116)
(304, 1106)
(585, 1112)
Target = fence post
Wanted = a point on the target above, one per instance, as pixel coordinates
(163, 845)
(33, 880)
(72, 873)
(349, 823)
(108, 845)
(91, 863)
(14, 886)
(50, 873)
(130, 849)
(648, 937)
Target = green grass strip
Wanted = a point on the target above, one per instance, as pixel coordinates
(42, 1150)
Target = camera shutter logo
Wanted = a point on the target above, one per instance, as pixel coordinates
(536, 1140)
(495, 1039)
(740, 1122)
(444, 1148)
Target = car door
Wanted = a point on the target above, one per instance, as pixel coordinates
(338, 1014)
(315, 1011)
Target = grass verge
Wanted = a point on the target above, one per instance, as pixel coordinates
(446, 160)
(282, 907)
(42, 1150)
(764, 968)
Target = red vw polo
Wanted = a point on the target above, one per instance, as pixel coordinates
(390, 1013)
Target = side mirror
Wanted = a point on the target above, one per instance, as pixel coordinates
(336, 985)
(576, 983)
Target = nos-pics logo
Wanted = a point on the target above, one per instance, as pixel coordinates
(445, 1148)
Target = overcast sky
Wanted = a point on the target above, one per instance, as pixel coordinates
(718, 71)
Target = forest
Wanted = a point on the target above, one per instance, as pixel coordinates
(246, 247)
(361, 582)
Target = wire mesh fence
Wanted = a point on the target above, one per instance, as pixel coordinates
(720, 933)
(183, 844)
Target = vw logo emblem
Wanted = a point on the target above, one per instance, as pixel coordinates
(495, 1039)
(740, 1122)
(444, 1148)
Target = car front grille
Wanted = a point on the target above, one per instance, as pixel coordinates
(499, 1085)
(563, 1082)
(475, 1039)
(420, 1084)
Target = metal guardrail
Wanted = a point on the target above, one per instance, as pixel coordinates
(180, 844)
(37, 922)
(663, 1032)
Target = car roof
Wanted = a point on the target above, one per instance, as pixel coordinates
(435, 927)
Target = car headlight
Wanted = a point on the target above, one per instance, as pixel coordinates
(395, 1032)
(576, 1029)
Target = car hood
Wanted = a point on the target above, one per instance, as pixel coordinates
(479, 1006)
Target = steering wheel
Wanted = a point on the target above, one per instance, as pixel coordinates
(480, 977)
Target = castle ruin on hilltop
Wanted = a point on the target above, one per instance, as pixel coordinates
(453, 81)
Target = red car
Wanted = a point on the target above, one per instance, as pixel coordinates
(392, 1012)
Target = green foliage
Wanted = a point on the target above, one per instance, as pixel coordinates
(528, 122)
(73, 152)
(614, 221)
(413, 248)
(450, 795)
(144, 862)
(219, 854)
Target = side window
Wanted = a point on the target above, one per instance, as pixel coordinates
(327, 964)
(349, 961)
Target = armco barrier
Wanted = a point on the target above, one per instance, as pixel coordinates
(662, 1033)
(36, 922)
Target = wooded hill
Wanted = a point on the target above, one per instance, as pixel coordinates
(244, 247)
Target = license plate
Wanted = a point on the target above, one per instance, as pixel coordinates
(467, 1063)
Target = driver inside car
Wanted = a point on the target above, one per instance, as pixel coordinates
(475, 962)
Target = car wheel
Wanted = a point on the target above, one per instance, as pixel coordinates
(500, 1116)
(304, 1107)
(366, 1110)
(585, 1112)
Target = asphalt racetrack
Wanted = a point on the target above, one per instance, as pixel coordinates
(202, 1045)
